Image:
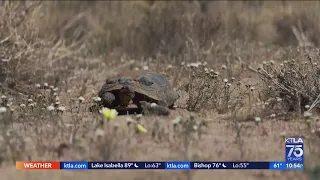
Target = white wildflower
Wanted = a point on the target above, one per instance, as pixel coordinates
(96, 99)
(195, 65)
(257, 119)
(22, 105)
(307, 114)
(153, 105)
(9, 103)
(61, 108)
(177, 120)
(81, 99)
(38, 85)
(99, 132)
(3, 109)
(45, 84)
(313, 131)
(169, 66)
(50, 108)
(307, 106)
(30, 100)
(145, 67)
(3, 97)
(225, 80)
(272, 115)
(223, 67)
(260, 67)
(32, 105)
(132, 61)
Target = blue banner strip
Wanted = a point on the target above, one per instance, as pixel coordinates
(181, 165)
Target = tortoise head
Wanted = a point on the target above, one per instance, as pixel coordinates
(125, 95)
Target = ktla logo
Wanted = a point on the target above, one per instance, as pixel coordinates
(295, 146)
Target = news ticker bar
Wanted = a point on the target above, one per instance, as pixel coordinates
(157, 165)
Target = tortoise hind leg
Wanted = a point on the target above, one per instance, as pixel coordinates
(162, 103)
(165, 104)
(148, 108)
(138, 98)
(171, 107)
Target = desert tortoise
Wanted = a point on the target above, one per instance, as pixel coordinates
(137, 86)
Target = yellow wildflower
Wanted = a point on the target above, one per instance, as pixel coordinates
(109, 113)
(141, 129)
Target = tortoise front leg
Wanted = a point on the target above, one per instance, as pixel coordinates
(108, 100)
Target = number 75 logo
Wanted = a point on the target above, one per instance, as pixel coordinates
(296, 150)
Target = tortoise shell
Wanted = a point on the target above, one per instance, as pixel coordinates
(146, 85)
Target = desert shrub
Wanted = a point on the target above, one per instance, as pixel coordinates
(294, 82)
(209, 89)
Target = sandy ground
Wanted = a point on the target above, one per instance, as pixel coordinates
(260, 143)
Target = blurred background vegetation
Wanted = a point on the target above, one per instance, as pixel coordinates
(142, 29)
